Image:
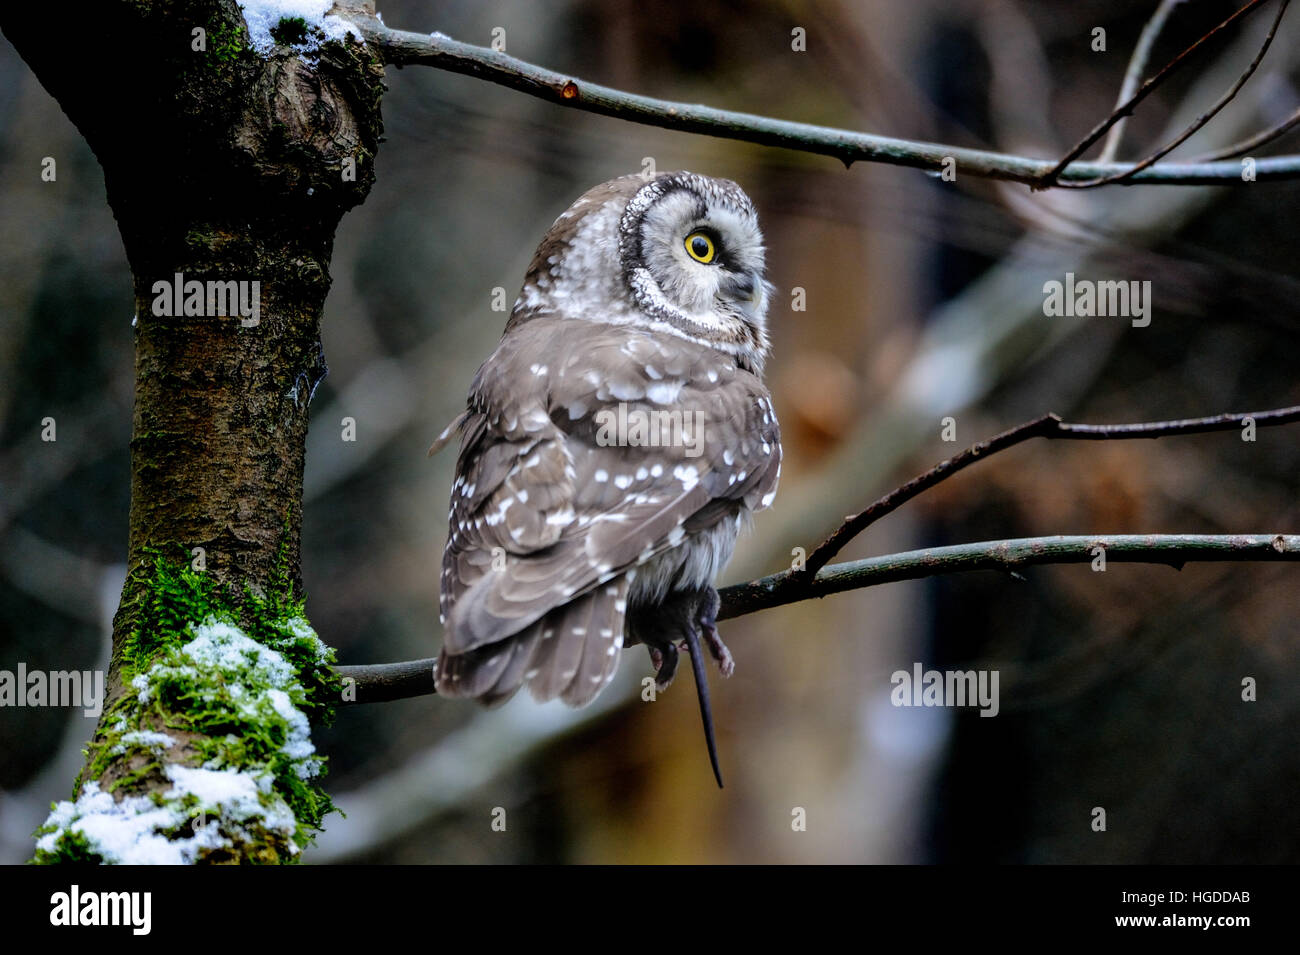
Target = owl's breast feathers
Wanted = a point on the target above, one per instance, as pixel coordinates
(575, 470)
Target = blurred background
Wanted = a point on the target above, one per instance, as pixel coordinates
(924, 300)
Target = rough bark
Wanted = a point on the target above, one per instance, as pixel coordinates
(220, 164)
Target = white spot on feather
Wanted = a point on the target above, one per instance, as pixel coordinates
(688, 475)
(626, 390)
(664, 392)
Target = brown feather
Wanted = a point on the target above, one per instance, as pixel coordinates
(548, 517)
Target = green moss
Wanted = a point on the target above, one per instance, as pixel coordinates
(175, 598)
(108, 746)
(290, 31)
(235, 682)
(71, 848)
(226, 41)
(136, 776)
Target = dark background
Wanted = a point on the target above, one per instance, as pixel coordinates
(924, 299)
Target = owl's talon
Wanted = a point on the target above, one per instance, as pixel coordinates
(707, 619)
(712, 639)
(665, 663)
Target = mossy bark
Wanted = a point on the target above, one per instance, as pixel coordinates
(226, 165)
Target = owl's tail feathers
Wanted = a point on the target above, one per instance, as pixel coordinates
(441, 440)
(571, 653)
(490, 674)
(580, 646)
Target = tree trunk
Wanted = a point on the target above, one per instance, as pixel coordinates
(223, 165)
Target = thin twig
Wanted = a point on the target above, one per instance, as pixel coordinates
(391, 681)
(1137, 65)
(1254, 142)
(1060, 172)
(1201, 120)
(400, 48)
(1048, 426)
(1173, 550)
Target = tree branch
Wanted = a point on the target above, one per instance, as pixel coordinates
(1133, 75)
(1174, 550)
(400, 48)
(1060, 172)
(375, 683)
(383, 682)
(1254, 142)
(378, 683)
(1201, 120)
(1048, 426)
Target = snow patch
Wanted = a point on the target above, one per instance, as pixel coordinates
(221, 647)
(233, 795)
(143, 739)
(298, 746)
(220, 804)
(135, 831)
(264, 15)
(300, 629)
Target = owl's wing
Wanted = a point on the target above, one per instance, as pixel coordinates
(548, 506)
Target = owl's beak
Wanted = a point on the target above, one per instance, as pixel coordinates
(742, 286)
(749, 293)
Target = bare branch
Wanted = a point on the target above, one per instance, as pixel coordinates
(400, 48)
(1175, 550)
(377, 683)
(393, 681)
(1048, 426)
(1254, 142)
(382, 682)
(1200, 121)
(1060, 173)
(1133, 75)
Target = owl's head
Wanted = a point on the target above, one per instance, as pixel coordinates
(679, 253)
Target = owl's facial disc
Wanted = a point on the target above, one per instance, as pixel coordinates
(698, 254)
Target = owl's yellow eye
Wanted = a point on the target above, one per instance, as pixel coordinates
(700, 247)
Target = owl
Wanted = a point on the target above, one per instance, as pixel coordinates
(612, 447)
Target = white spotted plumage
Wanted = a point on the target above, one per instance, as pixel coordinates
(566, 545)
